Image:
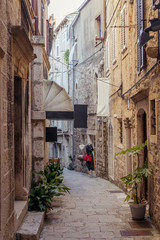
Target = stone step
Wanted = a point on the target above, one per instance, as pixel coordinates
(31, 226)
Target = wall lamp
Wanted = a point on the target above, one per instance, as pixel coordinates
(155, 26)
(156, 4)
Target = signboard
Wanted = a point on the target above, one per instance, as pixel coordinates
(51, 134)
(80, 116)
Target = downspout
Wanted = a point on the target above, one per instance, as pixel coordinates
(73, 75)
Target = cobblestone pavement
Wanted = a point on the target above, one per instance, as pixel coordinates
(94, 210)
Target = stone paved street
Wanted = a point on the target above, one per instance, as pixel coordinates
(94, 209)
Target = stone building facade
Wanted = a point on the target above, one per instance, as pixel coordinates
(59, 73)
(87, 65)
(17, 53)
(134, 100)
(39, 72)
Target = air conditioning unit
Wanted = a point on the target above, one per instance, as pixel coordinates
(156, 4)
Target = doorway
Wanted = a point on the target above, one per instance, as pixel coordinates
(141, 138)
(18, 150)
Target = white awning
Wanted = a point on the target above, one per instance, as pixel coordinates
(103, 97)
(56, 98)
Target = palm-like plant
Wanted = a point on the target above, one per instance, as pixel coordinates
(137, 177)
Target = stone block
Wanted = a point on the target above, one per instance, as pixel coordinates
(37, 72)
(6, 182)
(38, 40)
(38, 149)
(31, 226)
(38, 130)
(38, 115)
(37, 97)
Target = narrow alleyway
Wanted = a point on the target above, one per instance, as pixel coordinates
(93, 210)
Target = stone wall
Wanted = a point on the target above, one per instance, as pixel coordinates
(85, 93)
(14, 63)
(131, 107)
(40, 149)
(89, 54)
(6, 129)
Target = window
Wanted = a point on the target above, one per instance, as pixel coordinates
(153, 117)
(107, 56)
(140, 28)
(120, 130)
(113, 45)
(35, 9)
(123, 29)
(98, 27)
(57, 48)
(48, 47)
(64, 41)
(42, 18)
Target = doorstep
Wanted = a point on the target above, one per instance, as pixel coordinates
(20, 210)
(31, 226)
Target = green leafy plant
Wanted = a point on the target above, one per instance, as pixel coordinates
(66, 57)
(50, 184)
(133, 180)
(41, 197)
(137, 177)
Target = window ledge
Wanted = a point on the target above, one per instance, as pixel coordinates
(114, 61)
(120, 146)
(107, 70)
(124, 49)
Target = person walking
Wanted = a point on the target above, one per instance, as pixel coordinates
(89, 159)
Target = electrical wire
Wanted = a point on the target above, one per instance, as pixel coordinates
(80, 71)
(140, 79)
(113, 15)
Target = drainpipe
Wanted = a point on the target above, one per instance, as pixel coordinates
(73, 75)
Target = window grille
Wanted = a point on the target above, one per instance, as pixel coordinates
(153, 117)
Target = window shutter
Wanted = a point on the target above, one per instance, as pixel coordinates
(140, 28)
(42, 18)
(113, 45)
(122, 29)
(125, 29)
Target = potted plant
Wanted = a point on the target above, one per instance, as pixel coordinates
(135, 182)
